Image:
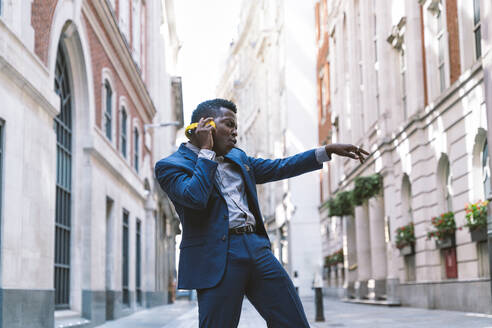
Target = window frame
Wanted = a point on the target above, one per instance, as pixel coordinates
(108, 110)
(124, 118)
(477, 29)
(136, 147)
(485, 169)
(441, 53)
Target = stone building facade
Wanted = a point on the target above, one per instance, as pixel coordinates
(405, 80)
(269, 75)
(86, 235)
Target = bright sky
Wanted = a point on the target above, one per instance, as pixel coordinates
(205, 29)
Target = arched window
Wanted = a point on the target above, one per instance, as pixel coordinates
(444, 184)
(63, 207)
(406, 198)
(124, 134)
(485, 170)
(108, 110)
(136, 148)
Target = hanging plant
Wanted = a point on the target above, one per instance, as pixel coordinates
(338, 256)
(445, 226)
(405, 236)
(476, 215)
(344, 203)
(340, 205)
(365, 188)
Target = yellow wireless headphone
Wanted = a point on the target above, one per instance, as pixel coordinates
(190, 128)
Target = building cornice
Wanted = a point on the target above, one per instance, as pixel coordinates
(26, 71)
(118, 53)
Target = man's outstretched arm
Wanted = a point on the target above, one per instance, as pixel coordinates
(268, 170)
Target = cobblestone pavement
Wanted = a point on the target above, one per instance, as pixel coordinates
(184, 314)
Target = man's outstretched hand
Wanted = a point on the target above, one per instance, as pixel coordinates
(347, 150)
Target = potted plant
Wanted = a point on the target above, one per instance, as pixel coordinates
(445, 228)
(338, 256)
(405, 239)
(365, 188)
(476, 220)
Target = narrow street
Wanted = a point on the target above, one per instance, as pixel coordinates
(184, 314)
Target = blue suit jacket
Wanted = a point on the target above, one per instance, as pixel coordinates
(190, 183)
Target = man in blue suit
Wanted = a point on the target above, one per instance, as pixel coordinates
(225, 251)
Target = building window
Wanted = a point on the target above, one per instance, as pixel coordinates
(124, 122)
(136, 29)
(63, 205)
(403, 74)
(125, 259)
(136, 148)
(477, 28)
(108, 111)
(376, 60)
(138, 258)
(486, 170)
(444, 182)
(124, 18)
(441, 45)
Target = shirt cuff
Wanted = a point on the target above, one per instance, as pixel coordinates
(321, 155)
(207, 153)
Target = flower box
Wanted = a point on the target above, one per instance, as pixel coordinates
(407, 250)
(446, 242)
(478, 234)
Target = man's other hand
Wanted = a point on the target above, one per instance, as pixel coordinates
(347, 150)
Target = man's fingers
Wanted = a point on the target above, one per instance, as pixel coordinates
(363, 151)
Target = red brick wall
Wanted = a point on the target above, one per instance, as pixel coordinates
(41, 18)
(100, 60)
(453, 40)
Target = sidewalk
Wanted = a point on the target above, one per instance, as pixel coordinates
(184, 314)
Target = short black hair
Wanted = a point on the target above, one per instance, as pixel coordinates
(211, 108)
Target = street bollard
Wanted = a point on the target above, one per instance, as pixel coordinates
(318, 297)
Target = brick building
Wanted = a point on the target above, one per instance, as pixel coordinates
(407, 83)
(86, 234)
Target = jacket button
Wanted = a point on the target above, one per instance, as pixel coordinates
(224, 237)
(225, 216)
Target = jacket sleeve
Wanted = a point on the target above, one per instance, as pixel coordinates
(268, 170)
(189, 191)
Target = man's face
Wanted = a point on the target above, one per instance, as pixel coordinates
(225, 132)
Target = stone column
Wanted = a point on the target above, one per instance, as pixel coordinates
(377, 285)
(363, 246)
(350, 255)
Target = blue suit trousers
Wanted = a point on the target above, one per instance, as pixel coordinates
(251, 270)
